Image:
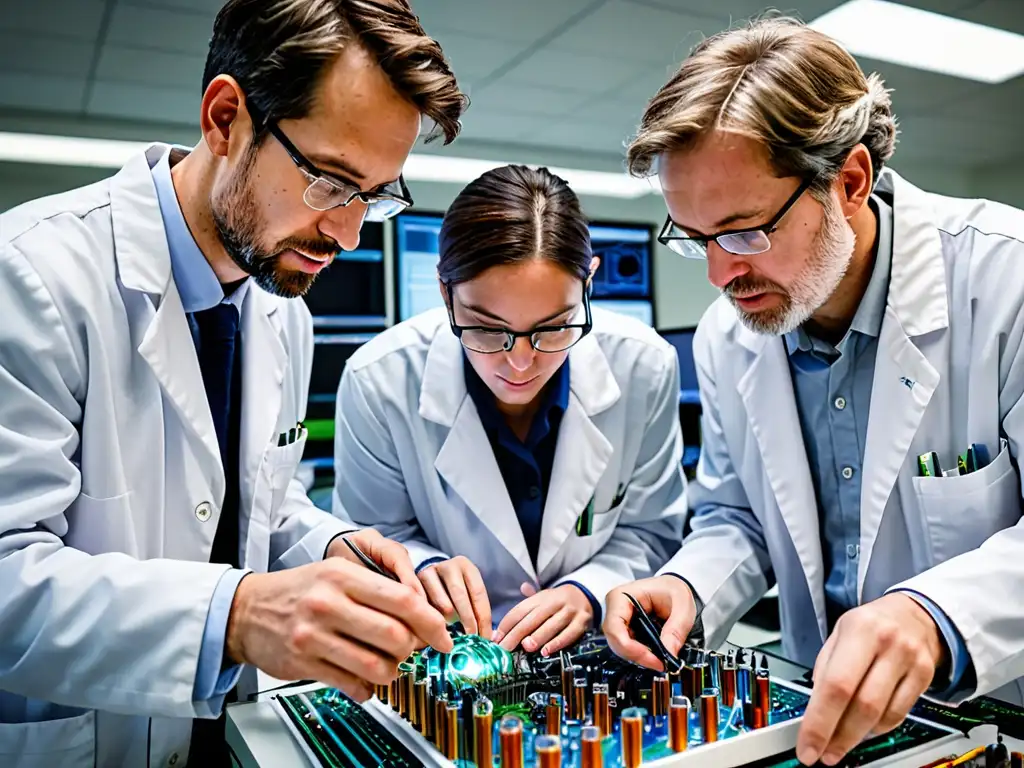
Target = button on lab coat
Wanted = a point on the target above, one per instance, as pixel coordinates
(111, 479)
(413, 460)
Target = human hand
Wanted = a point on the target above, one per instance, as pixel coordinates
(876, 664)
(388, 554)
(548, 621)
(332, 621)
(457, 590)
(666, 597)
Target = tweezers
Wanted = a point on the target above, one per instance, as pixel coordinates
(368, 561)
(647, 630)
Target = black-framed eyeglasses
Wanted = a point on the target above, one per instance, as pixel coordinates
(740, 242)
(544, 338)
(324, 191)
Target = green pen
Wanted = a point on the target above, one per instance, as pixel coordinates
(928, 464)
(961, 464)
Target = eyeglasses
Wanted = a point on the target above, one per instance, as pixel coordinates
(325, 192)
(544, 338)
(740, 242)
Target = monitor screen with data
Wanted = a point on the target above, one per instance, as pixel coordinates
(350, 293)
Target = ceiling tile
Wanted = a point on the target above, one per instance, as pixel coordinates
(160, 29)
(915, 91)
(573, 71)
(147, 67)
(77, 19)
(525, 99)
(474, 57)
(1002, 14)
(501, 126)
(37, 54)
(737, 10)
(584, 135)
(521, 21)
(625, 30)
(208, 7)
(54, 94)
(152, 104)
(964, 140)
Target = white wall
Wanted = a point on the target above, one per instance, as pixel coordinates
(682, 291)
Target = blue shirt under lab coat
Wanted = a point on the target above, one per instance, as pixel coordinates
(832, 385)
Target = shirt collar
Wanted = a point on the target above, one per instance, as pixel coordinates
(868, 318)
(194, 278)
(555, 401)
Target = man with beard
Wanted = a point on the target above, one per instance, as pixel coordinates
(869, 336)
(154, 543)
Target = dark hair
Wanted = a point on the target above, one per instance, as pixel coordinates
(277, 50)
(509, 215)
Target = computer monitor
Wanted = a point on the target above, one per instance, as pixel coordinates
(416, 255)
(682, 340)
(349, 293)
(635, 308)
(331, 351)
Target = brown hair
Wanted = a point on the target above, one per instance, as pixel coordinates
(277, 50)
(509, 215)
(781, 83)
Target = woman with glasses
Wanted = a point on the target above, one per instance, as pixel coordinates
(523, 446)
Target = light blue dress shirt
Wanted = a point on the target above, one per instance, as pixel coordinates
(832, 385)
(200, 289)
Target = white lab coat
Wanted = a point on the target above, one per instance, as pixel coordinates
(949, 372)
(412, 459)
(111, 479)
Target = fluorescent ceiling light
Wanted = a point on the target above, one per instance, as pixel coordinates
(924, 40)
(111, 153)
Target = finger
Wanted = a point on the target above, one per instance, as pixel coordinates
(513, 617)
(907, 693)
(565, 638)
(618, 614)
(388, 554)
(543, 610)
(681, 615)
(455, 582)
(369, 627)
(547, 631)
(526, 589)
(868, 706)
(436, 593)
(345, 654)
(349, 684)
(835, 684)
(399, 601)
(480, 601)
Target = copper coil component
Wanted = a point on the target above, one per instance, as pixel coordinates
(419, 719)
(701, 677)
(440, 719)
(709, 715)
(549, 751)
(510, 736)
(568, 675)
(393, 694)
(602, 715)
(632, 737)
(1017, 760)
(591, 754)
(381, 692)
(690, 688)
(728, 685)
(405, 703)
(553, 712)
(679, 723)
(483, 734)
(659, 695)
(762, 699)
(578, 708)
(451, 731)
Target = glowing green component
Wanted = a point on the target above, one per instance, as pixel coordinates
(473, 660)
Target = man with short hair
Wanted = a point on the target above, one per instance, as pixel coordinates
(864, 323)
(153, 380)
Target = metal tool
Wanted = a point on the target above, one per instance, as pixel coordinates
(647, 631)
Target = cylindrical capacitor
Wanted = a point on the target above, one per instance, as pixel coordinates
(714, 671)
(483, 733)
(709, 715)
(602, 716)
(393, 694)
(659, 696)
(451, 731)
(578, 710)
(549, 751)
(701, 676)
(763, 695)
(679, 723)
(419, 718)
(729, 682)
(568, 675)
(440, 720)
(381, 692)
(553, 715)
(632, 737)
(405, 698)
(510, 735)
(591, 754)
(1017, 760)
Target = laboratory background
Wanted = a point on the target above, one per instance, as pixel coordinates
(561, 83)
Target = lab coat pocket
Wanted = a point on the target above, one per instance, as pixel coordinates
(280, 463)
(961, 512)
(97, 526)
(69, 742)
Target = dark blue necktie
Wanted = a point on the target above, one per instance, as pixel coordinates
(219, 345)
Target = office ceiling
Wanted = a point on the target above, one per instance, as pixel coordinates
(566, 75)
